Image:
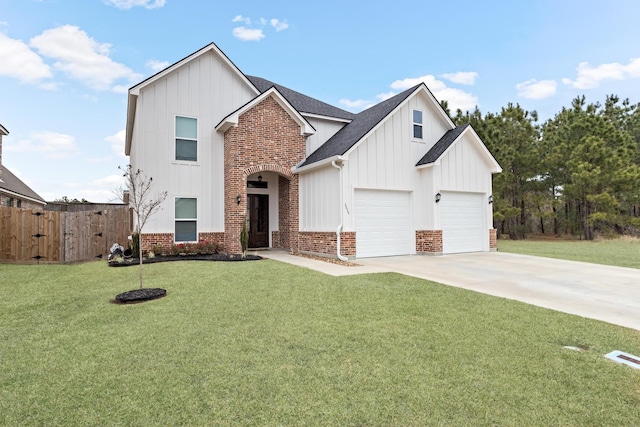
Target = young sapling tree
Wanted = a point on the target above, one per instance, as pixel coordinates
(141, 202)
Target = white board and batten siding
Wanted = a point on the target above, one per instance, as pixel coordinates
(320, 199)
(206, 89)
(325, 129)
(383, 181)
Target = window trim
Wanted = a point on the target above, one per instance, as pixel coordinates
(176, 220)
(175, 138)
(414, 124)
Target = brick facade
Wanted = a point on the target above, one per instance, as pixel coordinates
(266, 139)
(165, 240)
(325, 243)
(429, 242)
(150, 240)
(493, 239)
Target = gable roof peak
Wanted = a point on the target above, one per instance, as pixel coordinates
(363, 123)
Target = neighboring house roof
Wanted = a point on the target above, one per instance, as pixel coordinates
(301, 102)
(3, 130)
(12, 185)
(435, 154)
(361, 125)
(233, 118)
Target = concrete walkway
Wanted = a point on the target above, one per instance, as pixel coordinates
(611, 294)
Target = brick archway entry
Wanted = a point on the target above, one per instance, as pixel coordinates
(266, 139)
(235, 214)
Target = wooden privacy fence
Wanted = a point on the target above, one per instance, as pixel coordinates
(35, 236)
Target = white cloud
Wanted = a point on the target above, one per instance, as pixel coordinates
(81, 57)
(248, 34)
(279, 25)
(357, 104)
(96, 190)
(590, 77)
(240, 18)
(384, 96)
(534, 89)
(51, 144)
(117, 143)
(457, 99)
(157, 65)
(461, 77)
(254, 31)
(128, 4)
(20, 62)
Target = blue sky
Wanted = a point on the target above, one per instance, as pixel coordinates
(66, 65)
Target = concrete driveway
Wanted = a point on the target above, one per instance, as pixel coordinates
(611, 294)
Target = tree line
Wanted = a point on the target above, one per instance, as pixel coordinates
(576, 174)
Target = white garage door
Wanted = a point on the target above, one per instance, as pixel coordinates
(383, 223)
(462, 219)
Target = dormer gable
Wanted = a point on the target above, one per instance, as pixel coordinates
(232, 119)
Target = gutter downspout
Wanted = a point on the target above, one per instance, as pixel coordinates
(339, 229)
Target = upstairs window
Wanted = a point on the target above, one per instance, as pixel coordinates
(417, 124)
(186, 139)
(186, 219)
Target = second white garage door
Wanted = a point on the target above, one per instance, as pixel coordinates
(383, 223)
(462, 219)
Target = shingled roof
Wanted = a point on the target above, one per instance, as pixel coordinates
(363, 122)
(10, 182)
(301, 102)
(441, 146)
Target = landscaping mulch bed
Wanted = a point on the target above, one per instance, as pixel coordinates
(140, 295)
(331, 260)
(162, 258)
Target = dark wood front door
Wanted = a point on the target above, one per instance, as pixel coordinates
(258, 213)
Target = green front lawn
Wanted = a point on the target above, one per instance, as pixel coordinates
(266, 343)
(623, 252)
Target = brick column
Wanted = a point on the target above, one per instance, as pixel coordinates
(493, 239)
(429, 242)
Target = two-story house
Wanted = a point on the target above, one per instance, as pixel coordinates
(397, 178)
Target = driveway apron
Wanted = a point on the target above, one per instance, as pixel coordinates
(607, 293)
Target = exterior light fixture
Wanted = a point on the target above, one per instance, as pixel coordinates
(238, 199)
(438, 197)
(491, 199)
(259, 178)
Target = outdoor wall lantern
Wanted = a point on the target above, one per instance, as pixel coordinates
(491, 199)
(238, 199)
(438, 197)
(259, 178)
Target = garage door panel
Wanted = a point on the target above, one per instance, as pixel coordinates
(383, 223)
(461, 220)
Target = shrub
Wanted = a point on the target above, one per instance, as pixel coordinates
(201, 248)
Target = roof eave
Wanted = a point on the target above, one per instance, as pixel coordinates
(22, 196)
(318, 164)
(132, 103)
(330, 118)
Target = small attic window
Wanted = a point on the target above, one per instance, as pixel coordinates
(417, 124)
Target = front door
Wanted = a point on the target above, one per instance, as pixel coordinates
(258, 213)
